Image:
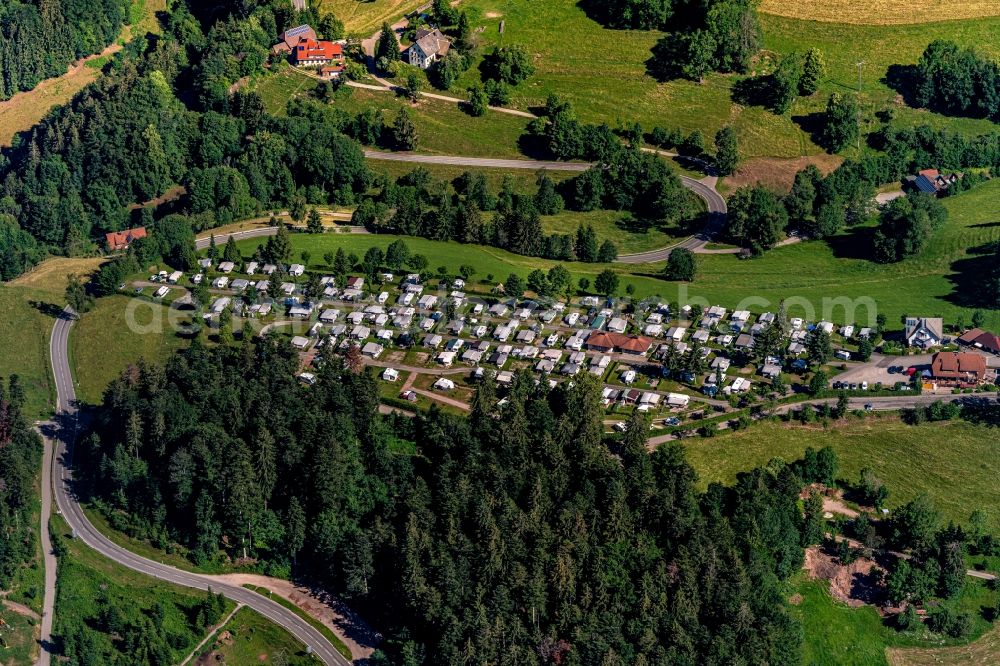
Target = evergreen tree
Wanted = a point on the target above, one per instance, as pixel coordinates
(726, 151)
(813, 72)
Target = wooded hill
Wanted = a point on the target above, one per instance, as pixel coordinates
(40, 38)
(513, 536)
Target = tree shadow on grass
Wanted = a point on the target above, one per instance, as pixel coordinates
(48, 309)
(812, 124)
(754, 91)
(903, 79)
(969, 275)
(534, 147)
(855, 243)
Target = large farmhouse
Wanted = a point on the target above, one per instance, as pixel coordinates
(429, 47)
(958, 368)
(120, 240)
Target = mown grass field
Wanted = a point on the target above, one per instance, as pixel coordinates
(29, 305)
(879, 12)
(603, 71)
(28, 317)
(810, 276)
(943, 280)
(838, 635)
(117, 332)
(248, 638)
(442, 127)
(364, 17)
(955, 463)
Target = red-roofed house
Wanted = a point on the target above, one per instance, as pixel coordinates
(290, 38)
(627, 344)
(981, 339)
(311, 53)
(120, 240)
(958, 367)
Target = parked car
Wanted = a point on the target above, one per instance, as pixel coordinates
(671, 421)
(864, 386)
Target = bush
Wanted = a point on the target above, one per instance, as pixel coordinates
(948, 622)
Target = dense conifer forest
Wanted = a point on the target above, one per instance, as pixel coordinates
(40, 38)
(513, 536)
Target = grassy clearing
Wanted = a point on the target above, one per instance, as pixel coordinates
(941, 281)
(103, 342)
(954, 463)
(838, 635)
(615, 226)
(250, 639)
(25, 110)
(986, 650)
(365, 17)
(880, 12)
(284, 84)
(804, 274)
(486, 260)
(28, 317)
(85, 577)
(436, 121)
(442, 127)
(316, 624)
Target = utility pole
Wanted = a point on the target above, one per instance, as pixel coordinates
(860, 64)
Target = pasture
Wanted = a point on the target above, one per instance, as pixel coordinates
(879, 12)
(116, 333)
(363, 17)
(955, 463)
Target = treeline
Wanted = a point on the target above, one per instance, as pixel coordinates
(957, 81)
(712, 34)
(40, 38)
(469, 212)
(20, 458)
(578, 553)
(820, 207)
(129, 138)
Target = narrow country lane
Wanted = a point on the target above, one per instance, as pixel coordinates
(48, 556)
(83, 530)
(715, 202)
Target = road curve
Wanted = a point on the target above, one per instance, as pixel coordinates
(83, 530)
(715, 202)
(717, 208)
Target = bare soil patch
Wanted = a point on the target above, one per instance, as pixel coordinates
(854, 584)
(348, 627)
(833, 501)
(778, 173)
(880, 12)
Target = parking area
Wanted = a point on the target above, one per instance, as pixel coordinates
(878, 370)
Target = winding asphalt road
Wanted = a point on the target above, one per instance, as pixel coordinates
(713, 200)
(83, 530)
